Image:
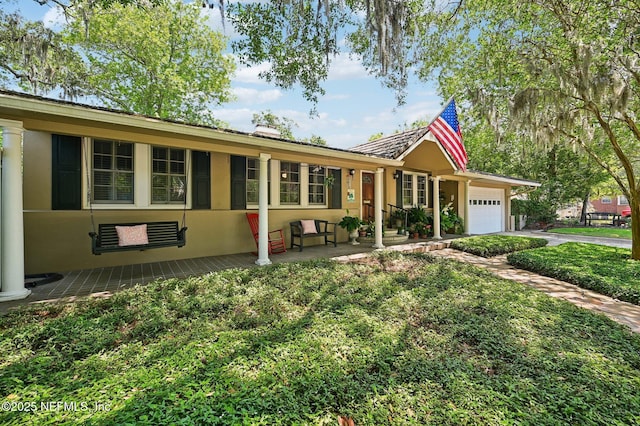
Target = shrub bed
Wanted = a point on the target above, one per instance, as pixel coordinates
(494, 245)
(605, 270)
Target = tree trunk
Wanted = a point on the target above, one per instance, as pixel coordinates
(585, 204)
(634, 202)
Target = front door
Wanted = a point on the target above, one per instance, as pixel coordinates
(368, 210)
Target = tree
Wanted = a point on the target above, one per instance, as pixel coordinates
(315, 140)
(282, 124)
(560, 72)
(161, 60)
(35, 58)
(299, 38)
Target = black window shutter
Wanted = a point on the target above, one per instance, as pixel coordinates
(336, 189)
(238, 182)
(66, 176)
(399, 189)
(201, 177)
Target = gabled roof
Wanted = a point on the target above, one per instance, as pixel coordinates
(392, 146)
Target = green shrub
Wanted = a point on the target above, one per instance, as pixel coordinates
(605, 270)
(494, 245)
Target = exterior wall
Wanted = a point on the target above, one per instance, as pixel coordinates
(614, 207)
(58, 241)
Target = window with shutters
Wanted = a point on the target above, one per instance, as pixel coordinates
(130, 175)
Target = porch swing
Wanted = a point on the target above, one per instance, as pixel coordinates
(117, 237)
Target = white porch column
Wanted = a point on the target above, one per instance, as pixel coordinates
(466, 207)
(507, 210)
(11, 222)
(436, 208)
(378, 206)
(263, 212)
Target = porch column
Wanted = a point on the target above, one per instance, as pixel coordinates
(466, 207)
(507, 210)
(378, 206)
(11, 222)
(263, 212)
(436, 208)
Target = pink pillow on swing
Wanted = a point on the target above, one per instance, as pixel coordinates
(132, 235)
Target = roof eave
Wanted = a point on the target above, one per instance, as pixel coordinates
(470, 174)
(80, 112)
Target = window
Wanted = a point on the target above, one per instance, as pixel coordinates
(112, 172)
(253, 180)
(422, 190)
(622, 200)
(168, 175)
(605, 200)
(289, 183)
(407, 190)
(414, 190)
(317, 188)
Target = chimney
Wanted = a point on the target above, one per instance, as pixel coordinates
(266, 130)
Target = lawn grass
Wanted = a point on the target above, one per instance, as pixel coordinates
(606, 270)
(606, 232)
(400, 339)
(494, 245)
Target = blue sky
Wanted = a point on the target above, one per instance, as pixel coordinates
(354, 107)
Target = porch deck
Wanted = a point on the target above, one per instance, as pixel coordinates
(102, 282)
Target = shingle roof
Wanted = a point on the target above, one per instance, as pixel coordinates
(391, 146)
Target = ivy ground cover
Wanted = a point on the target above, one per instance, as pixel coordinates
(396, 339)
(605, 270)
(494, 245)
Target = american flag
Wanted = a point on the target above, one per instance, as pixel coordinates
(446, 129)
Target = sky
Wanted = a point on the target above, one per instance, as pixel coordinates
(355, 105)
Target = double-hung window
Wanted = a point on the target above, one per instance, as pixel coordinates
(289, 183)
(407, 190)
(253, 180)
(317, 187)
(421, 190)
(113, 178)
(169, 176)
(414, 189)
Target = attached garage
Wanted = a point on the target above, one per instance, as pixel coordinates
(486, 210)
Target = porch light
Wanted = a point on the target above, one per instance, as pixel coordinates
(396, 174)
(283, 174)
(352, 172)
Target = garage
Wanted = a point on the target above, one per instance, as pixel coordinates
(486, 210)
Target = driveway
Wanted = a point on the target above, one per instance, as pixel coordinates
(557, 239)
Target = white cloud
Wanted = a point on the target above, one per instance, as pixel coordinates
(54, 18)
(344, 67)
(245, 74)
(249, 96)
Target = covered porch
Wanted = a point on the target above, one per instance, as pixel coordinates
(103, 282)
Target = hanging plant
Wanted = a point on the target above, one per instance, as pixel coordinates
(329, 181)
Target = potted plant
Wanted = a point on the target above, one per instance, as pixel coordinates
(351, 224)
(416, 215)
(449, 220)
(421, 229)
(399, 217)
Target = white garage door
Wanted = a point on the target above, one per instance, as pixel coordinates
(486, 210)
